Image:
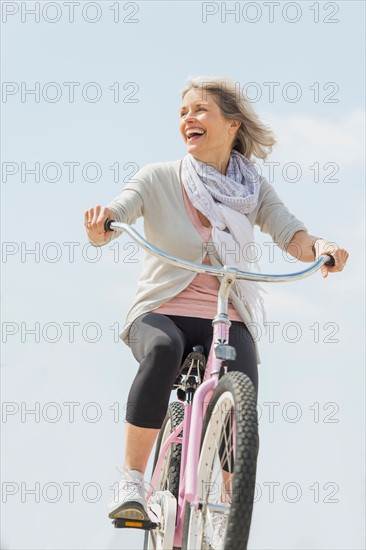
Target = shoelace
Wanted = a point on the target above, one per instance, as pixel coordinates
(132, 483)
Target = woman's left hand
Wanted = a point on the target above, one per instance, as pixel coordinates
(340, 256)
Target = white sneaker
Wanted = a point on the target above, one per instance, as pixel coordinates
(219, 523)
(129, 501)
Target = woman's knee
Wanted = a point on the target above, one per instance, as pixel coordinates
(166, 349)
(158, 335)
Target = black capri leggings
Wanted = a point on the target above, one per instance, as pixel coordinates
(160, 343)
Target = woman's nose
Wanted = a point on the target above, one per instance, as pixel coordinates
(189, 116)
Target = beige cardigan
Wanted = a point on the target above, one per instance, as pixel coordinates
(156, 194)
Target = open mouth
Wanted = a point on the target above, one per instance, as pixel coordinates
(195, 135)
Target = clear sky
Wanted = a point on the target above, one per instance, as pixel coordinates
(128, 62)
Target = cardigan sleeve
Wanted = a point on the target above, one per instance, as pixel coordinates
(274, 218)
(129, 204)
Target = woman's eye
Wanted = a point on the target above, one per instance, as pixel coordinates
(198, 109)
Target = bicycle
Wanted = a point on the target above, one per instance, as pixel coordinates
(205, 462)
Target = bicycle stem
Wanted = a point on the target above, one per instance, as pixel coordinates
(223, 296)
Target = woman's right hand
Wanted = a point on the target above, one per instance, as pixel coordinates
(94, 220)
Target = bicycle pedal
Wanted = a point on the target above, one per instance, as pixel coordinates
(145, 524)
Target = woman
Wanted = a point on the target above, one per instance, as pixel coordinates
(195, 208)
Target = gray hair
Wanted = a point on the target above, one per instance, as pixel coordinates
(253, 138)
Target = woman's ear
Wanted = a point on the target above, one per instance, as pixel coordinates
(234, 126)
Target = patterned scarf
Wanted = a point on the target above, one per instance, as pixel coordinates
(224, 200)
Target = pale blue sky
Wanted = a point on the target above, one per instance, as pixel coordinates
(326, 378)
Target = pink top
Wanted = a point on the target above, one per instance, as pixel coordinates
(199, 299)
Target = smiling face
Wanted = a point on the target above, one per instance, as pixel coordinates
(206, 133)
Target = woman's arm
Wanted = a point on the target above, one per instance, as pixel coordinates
(126, 207)
(308, 248)
(274, 218)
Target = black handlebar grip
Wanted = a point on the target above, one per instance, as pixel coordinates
(107, 225)
(330, 262)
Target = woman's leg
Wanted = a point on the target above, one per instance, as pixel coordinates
(159, 347)
(139, 443)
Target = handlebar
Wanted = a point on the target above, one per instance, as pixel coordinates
(111, 225)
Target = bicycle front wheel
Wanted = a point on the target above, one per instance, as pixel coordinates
(226, 470)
